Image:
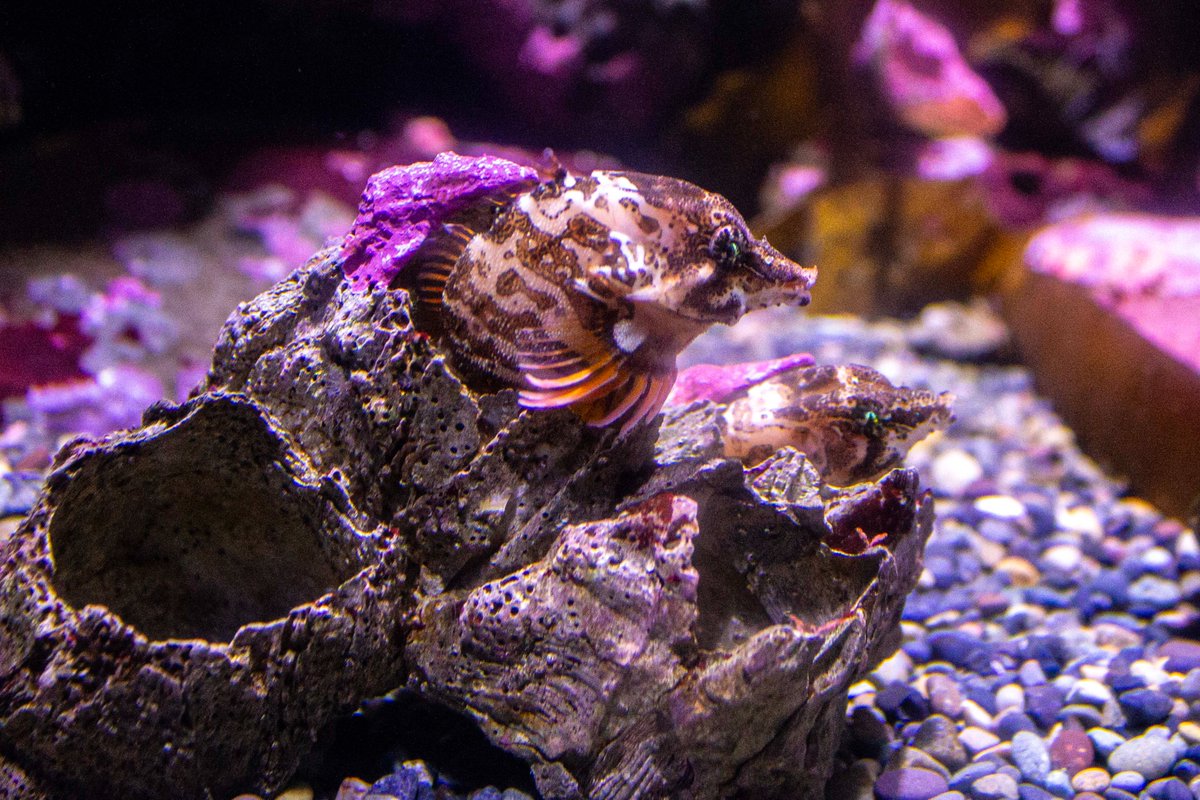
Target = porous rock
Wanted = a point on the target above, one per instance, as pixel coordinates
(334, 515)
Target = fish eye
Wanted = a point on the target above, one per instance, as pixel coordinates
(728, 247)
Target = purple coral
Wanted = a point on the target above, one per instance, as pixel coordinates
(401, 205)
(717, 382)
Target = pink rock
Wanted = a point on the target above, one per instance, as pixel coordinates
(1108, 318)
(717, 382)
(401, 205)
(923, 75)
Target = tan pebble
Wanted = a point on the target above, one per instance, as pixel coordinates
(248, 797)
(1020, 571)
(990, 553)
(352, 789)
(301, 791)
(1190, 731)
(1092, 779)
(1114, 636)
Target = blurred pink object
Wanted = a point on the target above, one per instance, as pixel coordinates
(716, 382)
(923, 75)
(1144, 268)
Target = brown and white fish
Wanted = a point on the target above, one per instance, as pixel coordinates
(581, 291)
(850, 421)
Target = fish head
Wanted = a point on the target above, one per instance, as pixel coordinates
(688, 252)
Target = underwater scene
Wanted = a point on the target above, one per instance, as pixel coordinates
(600, 400)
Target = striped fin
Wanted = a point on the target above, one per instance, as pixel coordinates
(438, 260)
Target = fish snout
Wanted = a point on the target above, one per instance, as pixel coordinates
(784, 279)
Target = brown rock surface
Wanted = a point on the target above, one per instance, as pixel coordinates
(336, 515)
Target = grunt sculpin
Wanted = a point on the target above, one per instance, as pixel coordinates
(580, 291)
(850, 421)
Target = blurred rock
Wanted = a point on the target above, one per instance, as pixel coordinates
(1108, 317)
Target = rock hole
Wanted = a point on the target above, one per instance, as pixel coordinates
(188, 534)
(403, 727)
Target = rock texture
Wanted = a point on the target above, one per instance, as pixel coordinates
(334, 514)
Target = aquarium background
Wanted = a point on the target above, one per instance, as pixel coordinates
(1002, 200)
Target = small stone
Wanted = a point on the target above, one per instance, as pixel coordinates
(1071, 750)
(1087, 716)
(944, 695)
(1081, 519)
(402, 784)
(352, 789)
(899, 701)
(895, 669)
(996, 786)
(938, 736)
(975, 714)
(951, 795)
(1089, 691)
(1105, 741)
(1182, 655)
(912, 757)
(1061, 557)
(1113, 793)
(1008, 723)
(1031, 756)
(1020, 571)
(1143, 707)
(1030, 673)
(1128, 780)
(953, 471)
(1092, 779)
(514, 794)
(909, 784)
(966, 776)
(958, 648)
(1000, 506)
(486, 793)
(1028, 791)
(1149, 756)
(977, 739)
(1010, 695)
(1169, 789)
(300, 791)
(1059, 783)
(1190, 731)
(1042, 704)
(1151, 593)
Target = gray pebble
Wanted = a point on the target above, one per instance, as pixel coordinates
(1149, 756)
(997, 786)
(1128, 781)
(1092, 779)
(938, 736)
(1105, 741)
(1031, 756)
(1059, 782)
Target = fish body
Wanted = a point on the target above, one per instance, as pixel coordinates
(581, 291)
(850, 421)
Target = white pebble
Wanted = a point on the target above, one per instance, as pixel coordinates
(1001, 506)
(954, 470)
(1011, 695)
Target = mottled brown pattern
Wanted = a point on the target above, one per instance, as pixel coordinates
(535, 300)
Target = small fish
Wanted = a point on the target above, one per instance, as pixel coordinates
(850, 421)
(581, 291)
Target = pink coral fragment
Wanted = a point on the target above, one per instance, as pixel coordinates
(716, 382)
(924, 76)
(402, 205)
